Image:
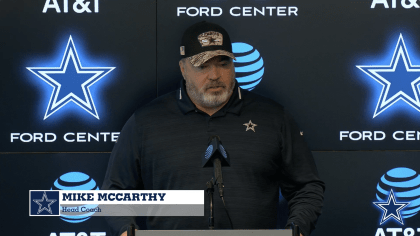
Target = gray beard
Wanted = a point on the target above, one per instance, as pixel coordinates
(209, 99)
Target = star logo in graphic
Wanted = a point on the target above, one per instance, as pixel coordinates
(71, 82)
(400, 79)
(250, 126)
(391, 209)
(44, 203)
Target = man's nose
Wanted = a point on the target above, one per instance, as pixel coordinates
(214, 72)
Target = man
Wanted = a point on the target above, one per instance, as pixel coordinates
(161, 144)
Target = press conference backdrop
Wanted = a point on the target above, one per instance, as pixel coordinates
(73, 71)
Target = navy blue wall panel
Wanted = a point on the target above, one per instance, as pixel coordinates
(83, 87)
(357, 179)
(348, 71)
(20, 173)
(310, 64)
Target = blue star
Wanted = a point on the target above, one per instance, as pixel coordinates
(400, 80)
(71, 82)
(44, 203)
(391, 209)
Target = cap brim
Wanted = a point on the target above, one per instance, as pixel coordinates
(201, 58)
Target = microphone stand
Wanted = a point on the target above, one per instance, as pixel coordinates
(210, 191)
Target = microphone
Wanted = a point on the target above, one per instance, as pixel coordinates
(216, 156)
(131, 230)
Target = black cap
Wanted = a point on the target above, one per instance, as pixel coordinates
(203, 41)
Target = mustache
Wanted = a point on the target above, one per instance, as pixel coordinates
(214, 85)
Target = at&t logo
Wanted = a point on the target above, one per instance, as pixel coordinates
(75, 181)
(78, 6)
(78, 234)
(407, 4)
(249, 65)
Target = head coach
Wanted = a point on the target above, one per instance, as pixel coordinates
(160, 146)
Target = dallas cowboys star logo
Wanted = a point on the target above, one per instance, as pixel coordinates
(44, 203)
(391, 209)
(71, 82)
(400, 80)
(250, 126)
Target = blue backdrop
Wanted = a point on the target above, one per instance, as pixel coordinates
(72, 72)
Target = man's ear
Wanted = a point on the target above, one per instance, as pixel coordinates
(182, 67)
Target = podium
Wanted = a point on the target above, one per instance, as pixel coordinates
(245, 232)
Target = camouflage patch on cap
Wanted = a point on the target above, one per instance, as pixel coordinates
(210, 38)
(201, 58)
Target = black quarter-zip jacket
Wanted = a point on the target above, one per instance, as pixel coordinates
(160, 148)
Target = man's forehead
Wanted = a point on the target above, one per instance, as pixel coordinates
(217, 59)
